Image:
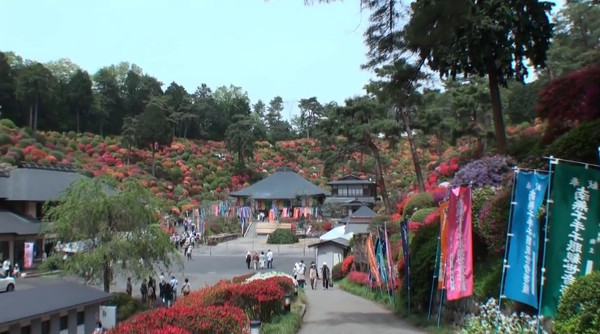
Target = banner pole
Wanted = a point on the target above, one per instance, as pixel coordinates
(435, 276)
(557, 160)
(508, 236)
(551, 162)
(439, 315)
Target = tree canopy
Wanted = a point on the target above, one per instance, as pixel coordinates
(118, 225)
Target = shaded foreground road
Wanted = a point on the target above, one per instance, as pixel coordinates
(335, 311)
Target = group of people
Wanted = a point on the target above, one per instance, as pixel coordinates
(299, 273)
(8, 270)
(167, 290)
(258, 261)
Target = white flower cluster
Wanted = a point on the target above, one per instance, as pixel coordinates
(492, 320)
(269, 274)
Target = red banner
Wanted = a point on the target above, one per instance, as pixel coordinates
(443, 242)
(458, 252)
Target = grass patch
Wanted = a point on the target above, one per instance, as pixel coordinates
(287, 323)
(396, 305)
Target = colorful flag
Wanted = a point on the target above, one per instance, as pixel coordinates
(28, 255)
(389, 259)
(459, 250)
(521, 277)
(404, 237)
(374, 268)
(381, 261)
(573, 231)
(443, 242)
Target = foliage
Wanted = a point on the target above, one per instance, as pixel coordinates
(570, 100)
(7, 123)
(114, 225)
(481, 38)
(336, 272)
(239, 138)
(201, 320)
(358, 277)
(493, 220)
(487, 171)
(420, 215)
(422, 259)
(347, 264)
(490, 319)
(579, 306)
(487, 276)
(577, 144)
(282, 236)
(416, 202)
(479, 198)
(127, 306)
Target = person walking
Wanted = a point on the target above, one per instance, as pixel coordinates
(174, 283)
(248, 259)
(168, 294)
(325, 276)
(255, 259)
(313, 275)
(129, 287)
(261, 260)
(188, 252)
(269, 259)
(186, 288)
(144, 291)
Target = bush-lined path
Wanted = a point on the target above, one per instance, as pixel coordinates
(335, 311)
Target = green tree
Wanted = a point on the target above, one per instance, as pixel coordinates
(204, 105)
(311, 112)
(153, 128)
(258, 117)
(128, 138)
(117, 224)
(239, 138)
(229, 101)
(34, 86)
(7, 87)
(575, 44)
(108, 101)
(183, 115)
(277, 128)
(79, 95)
(63, 69)
(486, 38)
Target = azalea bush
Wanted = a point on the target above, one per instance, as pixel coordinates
(271, 274)
(579, 306)
(347, 264)
(493, 221)
(358, 277)
(490, 319)
(201, 320)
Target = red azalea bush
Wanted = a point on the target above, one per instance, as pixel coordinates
(201, 320)
(327, 226)
(259, 298)
(358, 277)
(347, 264)
(286, 283)
(218, 294)
(170, 330)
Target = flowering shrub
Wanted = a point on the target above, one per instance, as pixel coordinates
(491, 320)
(241, 278)
(218, 294)
(285, 282)
(269, 274)
(493, 219)
(358, 277)
(168, 329)
(488, 171)
(347, 264)
(261, 299)
(205, 320)
(327, 226)
(418, 201)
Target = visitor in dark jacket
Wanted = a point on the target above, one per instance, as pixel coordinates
(325, 276)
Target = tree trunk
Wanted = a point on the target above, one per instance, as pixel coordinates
(106, 276)
(31, 116)
(78, 112)
(413, 150)
(496, 105)
(153, 161)
(35, 116)
(379, 173)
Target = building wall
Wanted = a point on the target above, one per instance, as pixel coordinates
(73, 321)
(329, 253)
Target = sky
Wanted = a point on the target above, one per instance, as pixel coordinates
(269, 48)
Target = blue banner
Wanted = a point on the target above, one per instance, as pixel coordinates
(521, 281)
(381, 261)
(404, 235)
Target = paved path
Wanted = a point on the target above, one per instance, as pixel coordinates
(335, 311)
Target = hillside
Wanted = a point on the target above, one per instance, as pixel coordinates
(190, 171)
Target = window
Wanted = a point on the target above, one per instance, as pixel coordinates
(46, 327)
(26, 330)
(64, 322)
(355, 190)
(343, 191)
(80, 318)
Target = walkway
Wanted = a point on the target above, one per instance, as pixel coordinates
(335, 311)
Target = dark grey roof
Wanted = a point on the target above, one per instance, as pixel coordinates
(351, 179)
(14, 223)
(349, 200)
(338, 241)
(283, 184)
(364, 214)
(36, 302)
(37, 183)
